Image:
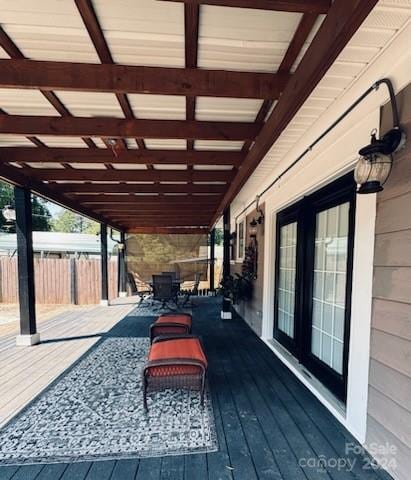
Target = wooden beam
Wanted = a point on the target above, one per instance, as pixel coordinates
(162, 221)
(85, 77)
(99, 155)
(302, 6)
(300, 36)
(188, 202)
(117, 128)
(16, 177)
(15, 53)
(342, 21)
(167, 230)
(90, 20)
(149, 201)
(89, 175)
(191, 27)
(78, 189)
(167, 212)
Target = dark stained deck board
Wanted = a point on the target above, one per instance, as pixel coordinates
(266, 420)
(125, 469)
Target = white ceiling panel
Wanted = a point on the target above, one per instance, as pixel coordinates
(47, 30)
(227, 109)
(143, 32)
(14, 140)
(91, 104)
(160, 107)
(244, 39)
(25, 102)
(61, 141)
(218, 145)
(164, 143)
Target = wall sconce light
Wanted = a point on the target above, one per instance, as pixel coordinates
(260, 218)
(374, 166)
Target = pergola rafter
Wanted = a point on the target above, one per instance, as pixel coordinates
(155, 195)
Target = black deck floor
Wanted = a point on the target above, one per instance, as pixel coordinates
(269, 425)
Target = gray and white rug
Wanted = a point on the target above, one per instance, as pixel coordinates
(145, 309)
(95, 412)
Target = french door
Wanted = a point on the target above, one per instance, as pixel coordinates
(314, 252)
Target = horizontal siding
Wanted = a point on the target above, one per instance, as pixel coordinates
(393, 249)
(394, 214)
(389, 395)
(392, 351)
(393, 416)
(379, 435)
(393, 283)
(391, 383)
(392, 317)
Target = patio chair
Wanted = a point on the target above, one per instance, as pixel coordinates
(138, 287)
(171, 324)
(163, 290)
(175, 362)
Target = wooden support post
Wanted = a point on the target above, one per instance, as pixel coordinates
(104, 266)
(226, 311)
(122, 284)
(28, 332)
(73, 281)
(212, 259)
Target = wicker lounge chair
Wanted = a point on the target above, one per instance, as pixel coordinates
(175, 362)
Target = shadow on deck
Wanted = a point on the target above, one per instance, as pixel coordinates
(269, 425)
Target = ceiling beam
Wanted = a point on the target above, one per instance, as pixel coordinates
(161, 222)
(118, 127)
(191, 27)
(120, 79)
(167, 231)
(90, 20)
(91, 175)
(15, 53)
(78, 189)
(133, 156)
(16, 177)
(297, 42)
(340, 24)
(146, 201)
(301, 6)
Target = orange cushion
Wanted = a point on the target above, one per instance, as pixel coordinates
(178, 318)
(187, 348)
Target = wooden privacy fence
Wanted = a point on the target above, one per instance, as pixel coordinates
(59, 281)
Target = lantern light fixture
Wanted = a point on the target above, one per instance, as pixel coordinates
(374, 166)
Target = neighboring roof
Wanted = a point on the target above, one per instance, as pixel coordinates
(58, 242)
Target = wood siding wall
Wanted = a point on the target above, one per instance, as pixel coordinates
(389, 397)
(53, 281)
(252, 311)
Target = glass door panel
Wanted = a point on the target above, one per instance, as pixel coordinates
(329, 287)
(287, 252)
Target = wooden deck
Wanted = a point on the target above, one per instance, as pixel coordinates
(25, 372)
(269, 425)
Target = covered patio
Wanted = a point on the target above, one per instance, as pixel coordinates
(166, 118)
(269, 426)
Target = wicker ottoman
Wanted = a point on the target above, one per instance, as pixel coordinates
(171, 324)
(175, 362)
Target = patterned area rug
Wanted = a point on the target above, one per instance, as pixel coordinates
(145, 309)
(95, 412)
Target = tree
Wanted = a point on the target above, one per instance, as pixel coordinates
(219, 236)
(69, 222)
(41, 213)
